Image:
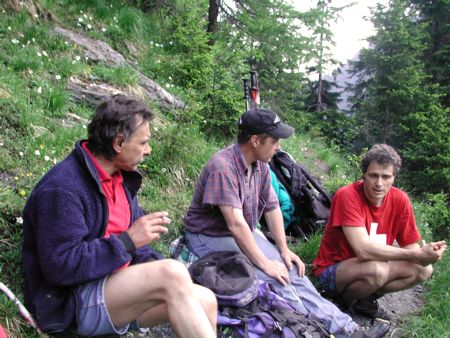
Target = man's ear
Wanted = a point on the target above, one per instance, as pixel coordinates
(254, 140)
(117, 143)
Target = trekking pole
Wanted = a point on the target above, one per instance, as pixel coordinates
(254, 89)
(23, 311)
(246, 94)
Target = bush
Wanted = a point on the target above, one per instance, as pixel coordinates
(435, 214)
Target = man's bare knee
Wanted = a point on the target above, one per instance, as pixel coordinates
(424, 273)
(210, 298)
(176, 277)
(377, 273)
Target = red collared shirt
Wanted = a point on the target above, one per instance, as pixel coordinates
(118, 207)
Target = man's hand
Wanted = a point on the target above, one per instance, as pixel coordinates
(148, 228)
(431, 252)
(289, 257)
(277, 270)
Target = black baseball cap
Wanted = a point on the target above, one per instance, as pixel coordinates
(259, 121)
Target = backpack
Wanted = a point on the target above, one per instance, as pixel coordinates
(247, 306)
(311, 201)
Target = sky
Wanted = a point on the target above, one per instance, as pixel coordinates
(352, 29)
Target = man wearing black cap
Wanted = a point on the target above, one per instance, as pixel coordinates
(233, 192)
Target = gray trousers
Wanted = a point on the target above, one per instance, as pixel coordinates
(300, 292)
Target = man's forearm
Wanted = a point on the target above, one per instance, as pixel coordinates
(244, 239)
(275, 223)
(380, 252)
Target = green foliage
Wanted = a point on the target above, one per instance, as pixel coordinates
(170, 45)
(433, 318)
(307, 251)
(121, 76)
(394, 103)
(435, 215)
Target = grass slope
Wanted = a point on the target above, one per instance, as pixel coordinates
(40, 123)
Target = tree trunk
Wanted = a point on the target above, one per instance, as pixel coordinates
(213, 14)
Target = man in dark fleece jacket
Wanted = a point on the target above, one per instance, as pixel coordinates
(87, 263)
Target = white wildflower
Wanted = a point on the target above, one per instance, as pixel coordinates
(84, 126)
(19, 220)
(46, 158)
(37, 152)
(1, 144)
(77, 57)
(21, 153)
(36, 16)
(103, 29)
(155, 128)
(163, 170)
(80, 19)
(66, 43)
(58, 77)
(44, 53)
(54, 161)
(39, 90)
(89, 26)
(39, 53)
(34, 40)
(9, 28)
(15, 41)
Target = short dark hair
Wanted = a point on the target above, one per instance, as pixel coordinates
(117, 115)
(245, 135)
(382, 154)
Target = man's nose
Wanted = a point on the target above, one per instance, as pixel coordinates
(147, 150)
(277, 146)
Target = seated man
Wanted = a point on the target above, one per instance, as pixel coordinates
(357, 262)
(233, 192)
(88, 267)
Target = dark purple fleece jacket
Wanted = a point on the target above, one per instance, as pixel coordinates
(64, 245)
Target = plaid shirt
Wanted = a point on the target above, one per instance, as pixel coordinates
(224, 182)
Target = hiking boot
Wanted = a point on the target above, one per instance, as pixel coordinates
(379, 329)
(369, 307)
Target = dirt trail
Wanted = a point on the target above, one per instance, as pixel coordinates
(399, 305)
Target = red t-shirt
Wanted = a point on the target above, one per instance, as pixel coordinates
(118, 207)
(350, 207)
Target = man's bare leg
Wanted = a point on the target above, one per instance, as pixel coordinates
(403, 275)
(158, 292)
(358, 279)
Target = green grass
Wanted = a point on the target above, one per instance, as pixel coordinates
(35, 65)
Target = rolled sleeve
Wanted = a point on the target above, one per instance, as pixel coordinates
(221, 189)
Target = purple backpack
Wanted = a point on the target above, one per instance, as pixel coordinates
(247, 306)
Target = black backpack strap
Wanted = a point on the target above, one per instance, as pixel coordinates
(314, 182)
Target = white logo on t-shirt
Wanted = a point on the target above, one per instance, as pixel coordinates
(374, 237)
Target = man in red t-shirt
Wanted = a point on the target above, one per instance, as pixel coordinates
(357, 261)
